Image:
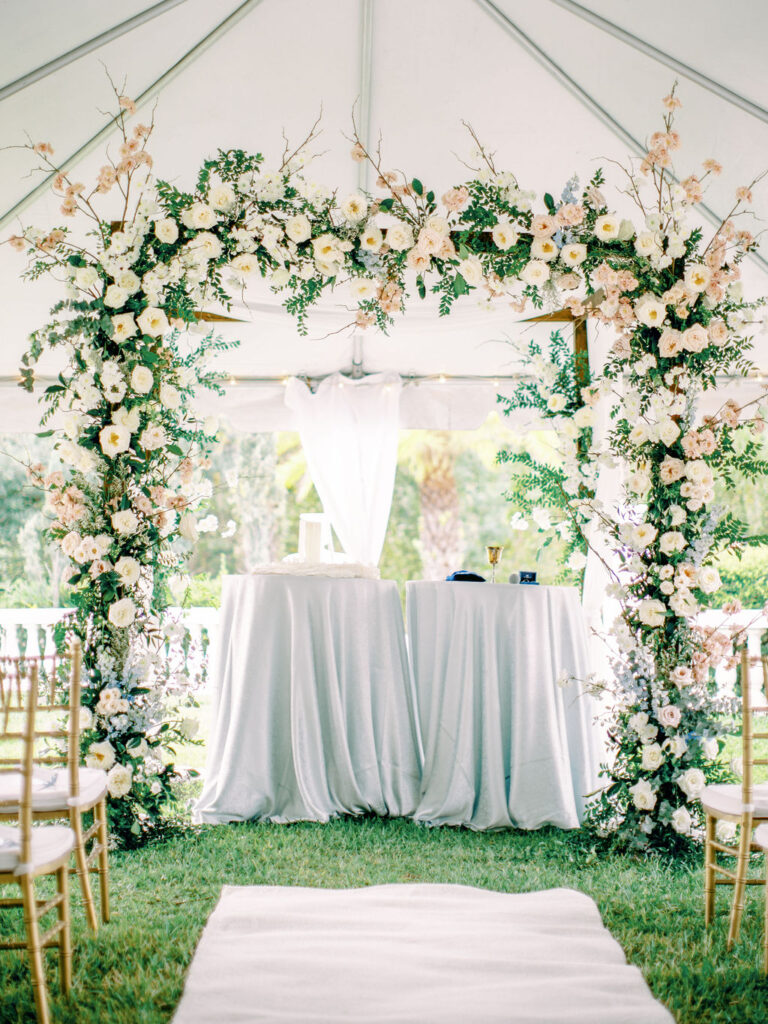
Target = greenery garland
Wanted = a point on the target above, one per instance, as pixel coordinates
(124, 504)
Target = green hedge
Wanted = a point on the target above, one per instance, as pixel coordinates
(745, 579)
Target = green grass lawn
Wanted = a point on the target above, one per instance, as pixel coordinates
(133, 971)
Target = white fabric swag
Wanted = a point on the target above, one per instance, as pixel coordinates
(349, 432)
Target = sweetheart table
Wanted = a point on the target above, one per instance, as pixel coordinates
(503, 743)
(315, 712)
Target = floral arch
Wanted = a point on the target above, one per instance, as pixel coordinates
(123, 504)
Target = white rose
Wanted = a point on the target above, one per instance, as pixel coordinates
(646, 244)
(504, 235)
(70, 543)
(584, 417)
(100, 755)
(363, 289)
(170, 396)
(221, 197)
(142, 380)
(199, 216)
(643, 535)
(371, 238)
(709, 579)
(128, 281)
(354, 208)
(639, 482)
(471, 270)
(128, 418)
(726, 831)
(643, 796)
(573, 255)
(607, 227)
(710, 748)
(650, 311)
(556, 402)
(188, 727)
(669, 716)
(166, 230)
(245, 263)
(114, 438)
(692, 783)
(535, 273)
(298, 228)
(651, 612)
(123, 326)
(681, 821)
(122, 612)
(653, 757)
(672, 541)
(115, 296)
(119, 780)
(676, 745)
(86, 277)
(153, 322)
(124, 522)
(280, 277)
(128, 569)
(206, 246)
(188, 527)
(697, 277)
(543, 249)
(153, 437)
(400, 237)
(669, 431)
(639, 434)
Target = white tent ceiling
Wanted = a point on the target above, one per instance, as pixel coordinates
(551, 87)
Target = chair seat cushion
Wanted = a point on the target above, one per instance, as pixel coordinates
(760, 837)
(51, 792)
(726, 799)
(49, 844)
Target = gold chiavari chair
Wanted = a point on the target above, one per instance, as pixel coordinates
(28, 853)
(66, 789)
(761, 842)
(744, 804)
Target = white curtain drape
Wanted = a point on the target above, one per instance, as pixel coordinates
(349, 430)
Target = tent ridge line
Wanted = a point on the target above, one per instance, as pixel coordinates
(630, 39)
(108, 36)
(365, 86)
(181, 64)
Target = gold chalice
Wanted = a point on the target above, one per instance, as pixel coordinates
(494, 557)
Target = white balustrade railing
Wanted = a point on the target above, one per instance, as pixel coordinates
(30, 630)
(755, 623)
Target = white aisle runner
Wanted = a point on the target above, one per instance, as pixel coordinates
(411, 954)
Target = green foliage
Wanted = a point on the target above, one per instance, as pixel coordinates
(130, 972)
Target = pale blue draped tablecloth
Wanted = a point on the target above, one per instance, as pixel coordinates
(315, 711)
(503, 743)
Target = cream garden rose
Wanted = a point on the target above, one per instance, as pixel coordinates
(124, 522)
(166, 230)
(142, 380)
(119, 780)
(128, 569)
(643, 795)
(114, 439)
(504, 235)
(153, 321)
(122, 613)
(100, 755)
(298, 228)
